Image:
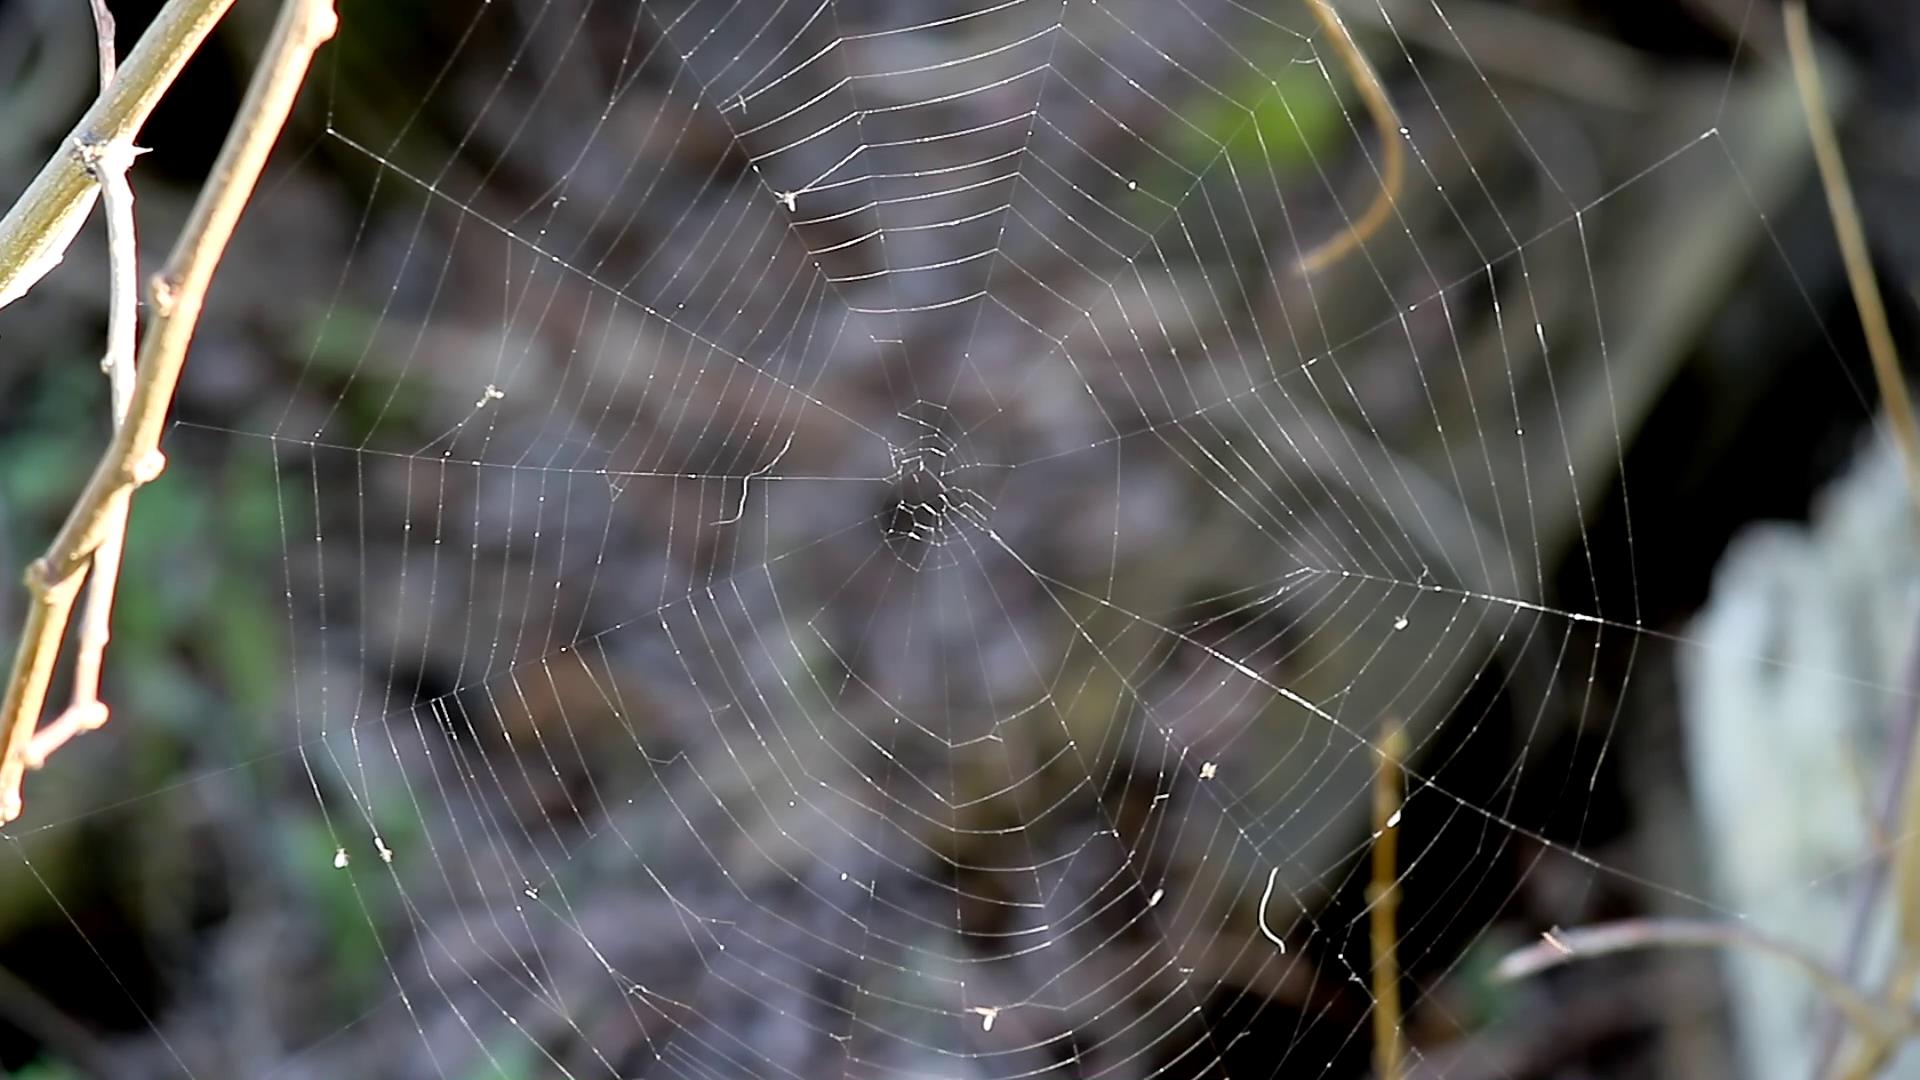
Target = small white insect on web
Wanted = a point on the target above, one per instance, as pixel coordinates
(987, 1014)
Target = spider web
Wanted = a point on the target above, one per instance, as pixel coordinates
(837, 540)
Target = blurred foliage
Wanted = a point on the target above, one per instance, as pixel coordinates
(47, 1069)
(515, 1060)
(43, 467)
(188, 534)
(373, 83)
(1273, 123)
(1290, 122)
(354, 957)
(371, 395)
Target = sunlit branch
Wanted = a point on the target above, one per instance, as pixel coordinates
(133, 457)
(35, 233)
(1876, 1045)
(108, 164)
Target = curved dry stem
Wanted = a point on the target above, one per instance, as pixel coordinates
(1557, 947)
(1386, 121)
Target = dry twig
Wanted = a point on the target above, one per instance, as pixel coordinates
(1383, 898)
(103, 32)
(1876, 1047)
(1558, 947)
(1853, 251)
(87, 712)
(35, 233)
(133, 457)
(1393, 165)
(108, 165)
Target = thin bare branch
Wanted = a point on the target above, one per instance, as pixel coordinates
(1386, 120)
(1557, 947)
(178, 293)
(35, 233)
(1383, 898)
(87, 712)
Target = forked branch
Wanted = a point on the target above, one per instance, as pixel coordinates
(178, 293)
(35, 233)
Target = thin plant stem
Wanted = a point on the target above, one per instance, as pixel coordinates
(36, 232)
(108, 164)
(1383, 898)
(1386, 120)
(27, 1009)
(178, 294)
